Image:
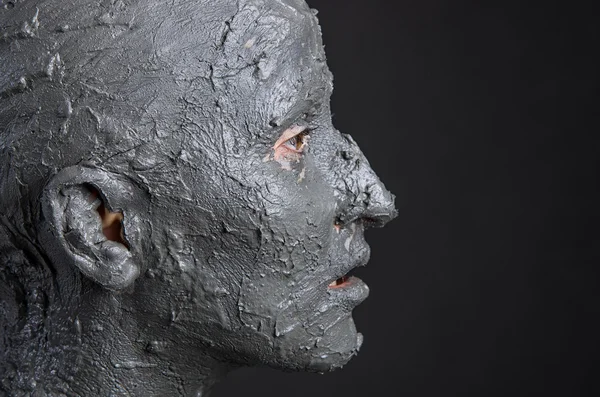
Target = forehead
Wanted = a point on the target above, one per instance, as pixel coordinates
(253, 60)
(262, 61)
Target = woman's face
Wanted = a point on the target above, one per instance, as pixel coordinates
(261, 215)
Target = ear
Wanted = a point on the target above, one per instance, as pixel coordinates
(85, 224)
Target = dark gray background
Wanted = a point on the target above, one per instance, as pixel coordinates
(477, 115)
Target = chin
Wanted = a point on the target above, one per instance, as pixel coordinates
(337, 347)
(328, 352)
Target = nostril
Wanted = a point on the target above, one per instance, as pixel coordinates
(363, 196)
(379, 219)
(372, 222)
(381, 207)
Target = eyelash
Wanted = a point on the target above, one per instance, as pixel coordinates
(292, 143)
(298, 142)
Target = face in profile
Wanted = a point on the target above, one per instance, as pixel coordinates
(207, 128)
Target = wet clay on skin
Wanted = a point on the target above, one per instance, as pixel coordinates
(174, 199)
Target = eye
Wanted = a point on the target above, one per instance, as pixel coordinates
(297, 142)
(291, 144)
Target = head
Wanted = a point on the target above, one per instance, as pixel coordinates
(178, 163)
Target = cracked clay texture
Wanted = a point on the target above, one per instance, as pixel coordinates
(199, 134)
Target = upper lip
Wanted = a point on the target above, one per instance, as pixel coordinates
(342, 271)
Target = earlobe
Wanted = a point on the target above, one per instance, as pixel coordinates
(83, 225)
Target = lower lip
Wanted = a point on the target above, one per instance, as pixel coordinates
(353, 290)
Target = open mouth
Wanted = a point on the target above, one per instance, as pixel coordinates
(348, 280)
(340, 282)
(350, 289)
(345, 281)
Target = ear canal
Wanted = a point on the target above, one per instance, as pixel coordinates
(112, 222)
(84, 227)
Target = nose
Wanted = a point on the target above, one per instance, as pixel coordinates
(361, 193)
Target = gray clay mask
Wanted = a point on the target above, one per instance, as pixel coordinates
(174, 200)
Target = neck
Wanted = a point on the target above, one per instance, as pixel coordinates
(125, 373)
(119, 356)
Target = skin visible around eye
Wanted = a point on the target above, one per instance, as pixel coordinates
(289, 134)
(290, 146)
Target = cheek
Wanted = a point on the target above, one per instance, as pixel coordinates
(299, 217)
(180, 287)
(280, 292)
